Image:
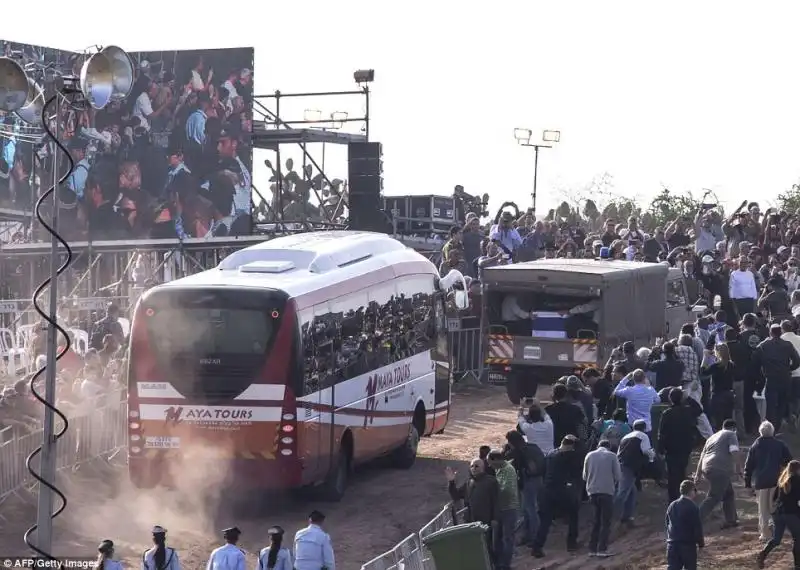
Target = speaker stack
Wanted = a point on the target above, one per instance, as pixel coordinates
(365, 185)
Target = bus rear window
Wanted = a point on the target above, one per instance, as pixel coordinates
(204, 333)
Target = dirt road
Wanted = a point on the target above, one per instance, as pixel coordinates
(382, 507)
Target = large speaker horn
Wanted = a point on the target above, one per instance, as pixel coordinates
(31, 112)
(13, 85)
(97, 80)
(121, 71)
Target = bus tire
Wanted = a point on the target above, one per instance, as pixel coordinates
(405, 456)
(335, 484)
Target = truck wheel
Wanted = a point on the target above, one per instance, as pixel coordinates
(521, 385)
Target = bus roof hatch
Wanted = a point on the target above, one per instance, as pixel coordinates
(267, 267)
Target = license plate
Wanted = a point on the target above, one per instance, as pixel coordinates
(532, 353)
(162, 442)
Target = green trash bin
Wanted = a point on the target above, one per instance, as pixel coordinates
(460, 547)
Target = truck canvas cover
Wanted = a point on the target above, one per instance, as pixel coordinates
(633, 294)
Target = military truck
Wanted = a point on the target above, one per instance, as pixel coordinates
(543, 319)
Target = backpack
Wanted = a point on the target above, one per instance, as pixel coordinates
(101, 329)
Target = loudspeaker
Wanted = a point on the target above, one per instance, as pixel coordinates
(366, 214)
(364, 159)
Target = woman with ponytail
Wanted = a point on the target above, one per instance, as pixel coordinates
(274, 556)
(105, 557)
(160, 556)
(787, 513)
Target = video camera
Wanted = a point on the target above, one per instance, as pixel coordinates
(469, 203)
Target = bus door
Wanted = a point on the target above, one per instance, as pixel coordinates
(442, 365)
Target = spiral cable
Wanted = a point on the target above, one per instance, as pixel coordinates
(52, 321)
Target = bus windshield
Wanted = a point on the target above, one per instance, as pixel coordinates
(210, 344)
(205, 333)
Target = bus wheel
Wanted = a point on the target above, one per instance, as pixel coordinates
(335, 483)
(404, 456)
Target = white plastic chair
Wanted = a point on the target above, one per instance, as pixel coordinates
(17, 360)
(7, 341)
(81, 341)
(25, 335)
(126, 326)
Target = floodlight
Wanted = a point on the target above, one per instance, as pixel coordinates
(338, 118)
(551, 136)
(523, 136)
(14, 89)
(312, 115)
(364, 76)
(106, 76)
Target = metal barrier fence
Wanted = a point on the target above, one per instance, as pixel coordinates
(410, 553)
(465, 351)
(97, 430)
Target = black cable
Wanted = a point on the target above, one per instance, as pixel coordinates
(51, 319)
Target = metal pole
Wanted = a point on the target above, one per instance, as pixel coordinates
(366, 113)
(535, 172)
(47, 465)
(324, 130)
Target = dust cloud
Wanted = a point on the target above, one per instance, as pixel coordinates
(201, 498)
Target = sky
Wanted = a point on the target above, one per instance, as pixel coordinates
(688, 95)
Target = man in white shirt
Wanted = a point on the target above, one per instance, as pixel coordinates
(228, 556)
(743, 289)
(143, 106)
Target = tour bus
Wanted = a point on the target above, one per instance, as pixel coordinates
(292, 361)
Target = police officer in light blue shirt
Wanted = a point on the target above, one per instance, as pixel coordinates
(229, 556)
(312, 546)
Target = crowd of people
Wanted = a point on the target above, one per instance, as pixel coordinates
(731, 375)
(84, 379)
(172, 160)
(748, 261)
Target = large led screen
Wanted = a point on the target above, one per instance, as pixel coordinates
(173, 160)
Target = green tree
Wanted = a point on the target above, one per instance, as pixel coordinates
(790, 199)
(668, 206)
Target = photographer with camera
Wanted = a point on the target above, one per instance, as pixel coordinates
(503, 232)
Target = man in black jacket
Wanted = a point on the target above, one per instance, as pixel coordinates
(684, 529)
(765, 460)
(740, 356)
(480, 493)
(669, 370)
(568, 419)
(529, 462)
(563, 484)
(777, 358)
(676, 436)
(749, 339)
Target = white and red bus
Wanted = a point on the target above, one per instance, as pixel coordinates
(292, 361)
